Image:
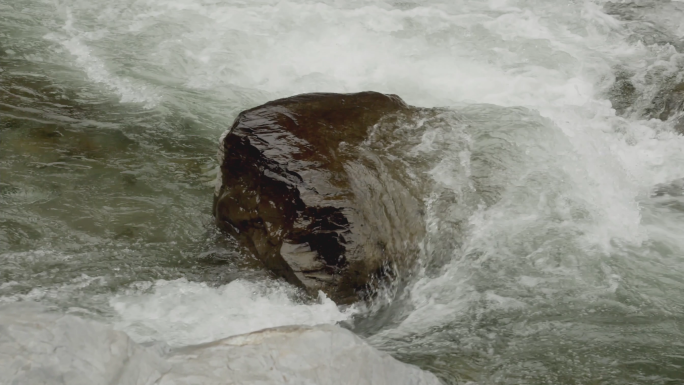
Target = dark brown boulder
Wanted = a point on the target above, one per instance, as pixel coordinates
(299, 190)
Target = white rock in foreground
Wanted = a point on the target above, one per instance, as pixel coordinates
(320, 355)
(44, 348)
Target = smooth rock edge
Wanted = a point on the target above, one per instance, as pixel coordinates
(37, 347)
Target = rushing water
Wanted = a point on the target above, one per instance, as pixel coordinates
(553, 252)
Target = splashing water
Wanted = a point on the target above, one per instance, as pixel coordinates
(553, 199)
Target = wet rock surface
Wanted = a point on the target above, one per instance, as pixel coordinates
(302, 193)
(622, 94)
(40, 347)
(669, 104)
(666, 103)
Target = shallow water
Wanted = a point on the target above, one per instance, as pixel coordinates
(553, 253)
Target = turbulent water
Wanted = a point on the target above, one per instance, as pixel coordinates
(555, 204)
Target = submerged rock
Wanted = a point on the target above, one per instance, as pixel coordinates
(669, 104)
(622, 94)
(302, 193)
(46, 348)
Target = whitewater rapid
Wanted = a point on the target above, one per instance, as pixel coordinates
(550, 255)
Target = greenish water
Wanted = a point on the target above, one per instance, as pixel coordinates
(554, 252)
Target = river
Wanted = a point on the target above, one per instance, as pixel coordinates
(553, 252)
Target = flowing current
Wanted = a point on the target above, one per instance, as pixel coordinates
(554, 251)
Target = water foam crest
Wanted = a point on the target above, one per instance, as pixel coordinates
(74, 41)
(183, 313)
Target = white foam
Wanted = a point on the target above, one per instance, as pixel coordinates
(182, 313)
(96, 69)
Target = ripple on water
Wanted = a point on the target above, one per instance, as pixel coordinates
(547, 259)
